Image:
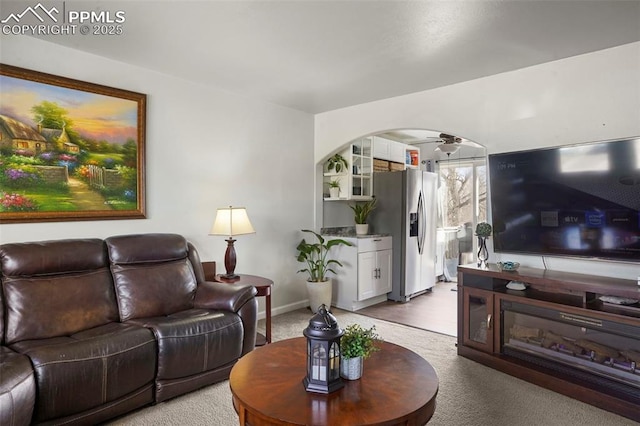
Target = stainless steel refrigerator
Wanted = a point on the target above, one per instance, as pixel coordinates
(406, 209)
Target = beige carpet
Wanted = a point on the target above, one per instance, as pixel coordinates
(470, 394)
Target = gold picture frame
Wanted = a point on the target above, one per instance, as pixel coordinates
(69, 150)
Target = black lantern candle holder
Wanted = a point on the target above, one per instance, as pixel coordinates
(323, 353)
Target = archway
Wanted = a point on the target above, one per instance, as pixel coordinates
(461, 166)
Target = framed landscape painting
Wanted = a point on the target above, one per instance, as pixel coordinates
(69, 150)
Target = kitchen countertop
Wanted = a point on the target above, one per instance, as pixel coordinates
(357, 236)
(348, 232)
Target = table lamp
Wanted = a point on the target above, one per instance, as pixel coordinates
(231, 221)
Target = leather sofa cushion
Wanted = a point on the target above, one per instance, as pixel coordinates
(55, 288)
(17, 388)
(146, 248)
(52, 257)
(152, 274)
(154, 290)
(1, 315)
(194, 341)
(44, 307)
(196, 263)
(90, 368)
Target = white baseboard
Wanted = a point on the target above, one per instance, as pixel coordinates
(284, 309)
(290, 307)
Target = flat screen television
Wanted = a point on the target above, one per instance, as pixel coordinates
(578, 201)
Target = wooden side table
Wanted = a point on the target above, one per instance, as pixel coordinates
(263, 285)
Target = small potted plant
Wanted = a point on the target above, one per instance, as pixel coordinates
(356, 345)
(314, 255)
(334, 188)
(361, 212)
(337, 163)
(483, 231)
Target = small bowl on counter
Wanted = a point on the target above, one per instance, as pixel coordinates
(508, 266)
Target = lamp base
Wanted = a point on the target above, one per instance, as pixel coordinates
(230, 259)
(230, 277)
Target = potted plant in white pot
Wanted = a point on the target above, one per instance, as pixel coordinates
(338, 163)
(334, 188)
(314, 255)
(361, 212)
(356, 345)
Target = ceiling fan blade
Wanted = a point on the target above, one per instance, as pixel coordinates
(430, 139)
(450, 138)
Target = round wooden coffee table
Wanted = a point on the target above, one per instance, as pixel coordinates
(397, 387)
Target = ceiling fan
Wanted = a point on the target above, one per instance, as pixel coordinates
(449, 144)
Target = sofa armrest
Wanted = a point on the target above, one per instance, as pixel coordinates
(17, 388)
(228, 297)
(240, 299)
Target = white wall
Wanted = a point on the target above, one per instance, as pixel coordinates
(205, 149)
(585, 98)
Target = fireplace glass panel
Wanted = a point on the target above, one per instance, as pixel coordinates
(602, 347)
(478, 309)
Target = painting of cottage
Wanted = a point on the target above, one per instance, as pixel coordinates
(68, 152)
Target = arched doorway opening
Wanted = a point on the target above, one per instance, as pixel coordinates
(460, 165)
(462, 192)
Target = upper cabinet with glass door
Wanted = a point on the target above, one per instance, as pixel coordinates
(362, 169)
(356, 182)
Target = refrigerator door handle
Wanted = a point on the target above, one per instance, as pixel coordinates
(423, 228)
(421, 223)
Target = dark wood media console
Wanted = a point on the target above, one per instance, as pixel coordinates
(575, 334)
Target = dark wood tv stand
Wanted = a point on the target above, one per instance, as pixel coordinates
(513, 331)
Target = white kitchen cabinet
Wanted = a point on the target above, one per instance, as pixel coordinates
(374, 274)
(356, 183)
(361, 164)
(397, 152)
(386, 149)
(365, 278)
(382, 148)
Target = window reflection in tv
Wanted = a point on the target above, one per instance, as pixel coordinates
(580, 200)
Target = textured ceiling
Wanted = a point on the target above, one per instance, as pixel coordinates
(317, 56)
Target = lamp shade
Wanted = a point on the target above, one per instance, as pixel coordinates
(448, 148)
(232, 221)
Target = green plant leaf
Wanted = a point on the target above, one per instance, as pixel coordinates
(358, 341)
(315, 255)
(363, 210)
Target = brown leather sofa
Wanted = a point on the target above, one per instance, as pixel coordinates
(91, 329)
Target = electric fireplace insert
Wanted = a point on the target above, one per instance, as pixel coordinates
(602, 352)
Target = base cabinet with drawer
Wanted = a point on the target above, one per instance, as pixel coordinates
(365, 277)
(374, 273)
